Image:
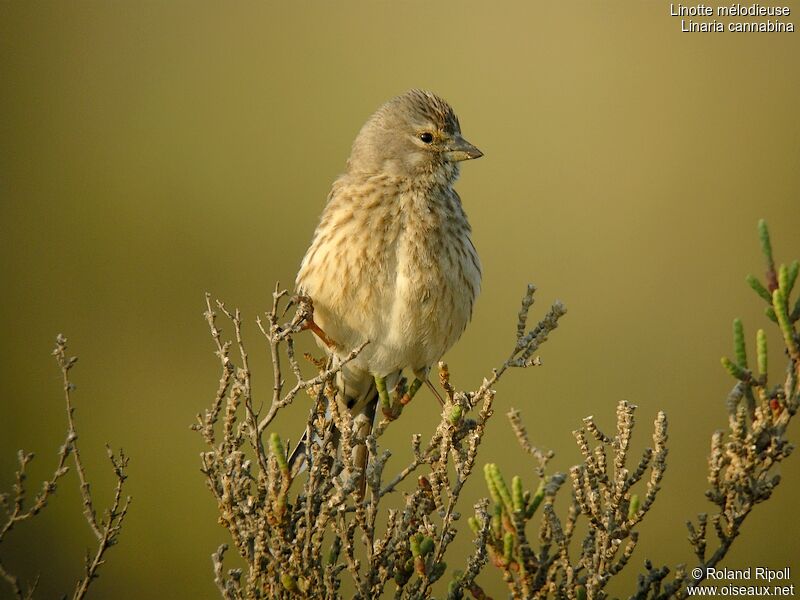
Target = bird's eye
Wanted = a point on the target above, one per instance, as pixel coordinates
(426, 137)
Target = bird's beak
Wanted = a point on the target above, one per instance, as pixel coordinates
(461, 149)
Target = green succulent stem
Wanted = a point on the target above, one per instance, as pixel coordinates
(735, 370)
(793, 271)
(508, 547)
(495, 495)
(426, 546)
(766, 245)
(759, 289)
(276, 447)
(761, 345)
(770, 313)
(415, 542)
(779, 304)
(497, 519)
(517, 494)
(289, 582)
(493, 473)
(383, 393)
(739, 348)
(633, 507)
(412, 390)
(455, 414)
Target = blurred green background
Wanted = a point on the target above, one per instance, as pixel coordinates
(150, 152)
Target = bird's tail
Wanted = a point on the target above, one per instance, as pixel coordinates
(362, 426)
(358, 395)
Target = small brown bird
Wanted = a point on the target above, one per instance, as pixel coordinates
(392, 261)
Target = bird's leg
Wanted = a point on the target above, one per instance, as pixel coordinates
(317, 330)
(305, 320)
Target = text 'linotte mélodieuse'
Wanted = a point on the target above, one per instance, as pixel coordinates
(770, 18)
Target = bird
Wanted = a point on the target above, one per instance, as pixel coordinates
(392, 262)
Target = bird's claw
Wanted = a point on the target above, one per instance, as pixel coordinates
(304, 320)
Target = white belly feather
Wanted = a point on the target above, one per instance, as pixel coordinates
(403, 275)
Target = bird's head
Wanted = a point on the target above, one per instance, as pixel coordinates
(414, 135)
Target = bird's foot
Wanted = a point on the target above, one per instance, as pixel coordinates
(305, 316)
